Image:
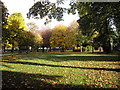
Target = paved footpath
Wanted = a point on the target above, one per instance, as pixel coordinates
(7, 54)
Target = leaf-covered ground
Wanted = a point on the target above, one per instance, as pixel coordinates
(60, 70)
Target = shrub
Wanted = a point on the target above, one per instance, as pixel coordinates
(84, 48)
(89, 48)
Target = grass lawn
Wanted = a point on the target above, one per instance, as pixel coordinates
(64, 70)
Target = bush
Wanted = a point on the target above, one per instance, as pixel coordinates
(84, 48)
(89, 48)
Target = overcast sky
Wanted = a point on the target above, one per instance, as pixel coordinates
(23, 6)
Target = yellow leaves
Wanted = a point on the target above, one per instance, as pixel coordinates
(16, 21)
(62, 37)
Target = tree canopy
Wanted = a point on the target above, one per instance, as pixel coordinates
(95, 17)
(32, 26)
(4, 16)
(100, 17)
(63, 37)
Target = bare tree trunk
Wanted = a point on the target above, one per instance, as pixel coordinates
(4, 48)
(43, 50)
(12, 50)
(50, 49)
(80, 48)
(37, 49)
(63, 50)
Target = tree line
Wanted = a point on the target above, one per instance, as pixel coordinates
(95, 17)
(94, 29)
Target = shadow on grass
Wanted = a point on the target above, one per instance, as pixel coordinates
(59, 57)
(22, 81)
(82, 58)
(31, 63)
(7, 66)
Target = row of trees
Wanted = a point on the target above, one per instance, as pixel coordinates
(95, 17)
(66, 37)
(15, 34)
(94, 29)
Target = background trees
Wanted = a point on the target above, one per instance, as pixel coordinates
(63, 37)
(95, 25)
(32, 26)
(46, 34)
(25, 40)
(94, 18)
(17, 35)
(38, 41)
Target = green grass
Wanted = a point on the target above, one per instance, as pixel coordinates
(71, 70)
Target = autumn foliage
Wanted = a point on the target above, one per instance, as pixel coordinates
(63, 37)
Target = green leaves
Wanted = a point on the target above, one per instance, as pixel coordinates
(46, 9)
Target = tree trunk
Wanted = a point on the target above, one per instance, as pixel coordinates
(12, 50)
(43, 50)
(92, 48)
(37, 49)
(80, 48)
(4, 48)
(50, 49)
(63, 50)
(106, 48)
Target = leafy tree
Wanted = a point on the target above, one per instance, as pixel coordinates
(63, 37)
(4, 32)
(74, 25)
(46, 34)
(25, 40)
(38, 40)
(47, 9)
(15, 26)
(32, 26)
(28, 39)
(97, 17)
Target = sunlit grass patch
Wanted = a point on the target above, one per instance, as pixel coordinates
(61, 70)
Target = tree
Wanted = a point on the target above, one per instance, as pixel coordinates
(25, 40)
(38, 40)
(15, 26)
(46, 34)
(32, 27)
(74, 25)
(4, 14)
(4, 32)
(28, 39)
(47, 9)
(63, 37)
(99, 17)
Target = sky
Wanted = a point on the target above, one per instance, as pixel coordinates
(23, 6)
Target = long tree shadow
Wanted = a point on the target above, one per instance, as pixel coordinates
(7, 66)
(82, 58)
(59, 57)
(23, 81)
(31, 63)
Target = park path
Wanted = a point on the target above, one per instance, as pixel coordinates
(7, 54)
